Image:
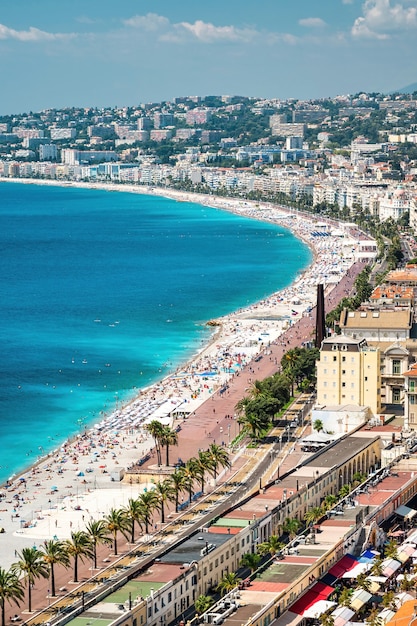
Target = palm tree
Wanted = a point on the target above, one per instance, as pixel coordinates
(376, 569)
(117, 521)
(251, 560)
(326, 619)
(191, 471)
(99, 534)
(313, 515)
(318, 425)
(11, 589)
(362, 582)
(164, 493)
(228, 583)
(374, 619)
(391, 550)
(54, 552)
(220, 458)
(344, 491)
(407, 583)
(291, 526)
(134, 513)
(32, 566)
(148, 501)
(273, 546)
(156, 430)
(205, 464)
(202, 604)
(329, 502)
(169, 438)
(79, 546)
(177, 479)
(345, 597)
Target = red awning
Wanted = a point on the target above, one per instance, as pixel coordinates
(345, 564)
(319, 591)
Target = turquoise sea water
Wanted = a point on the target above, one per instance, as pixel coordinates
(103, 293)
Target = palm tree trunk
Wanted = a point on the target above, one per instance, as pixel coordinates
(162, 513)
(177, 497)
(29, 596)
(167, 455)
(115, 543)
(52, 580)
(132, 536)
(3, 615)
(76, 568)
(95, 554)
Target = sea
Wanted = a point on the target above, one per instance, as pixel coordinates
(104, 293)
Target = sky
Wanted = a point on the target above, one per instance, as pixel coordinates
(64, 53)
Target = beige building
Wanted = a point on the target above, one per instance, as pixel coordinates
(348, 372)
(387, 327)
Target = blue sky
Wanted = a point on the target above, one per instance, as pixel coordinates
(57, 53)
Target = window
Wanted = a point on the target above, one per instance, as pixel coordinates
(169, 597)
(335, 358)
(412, 399)
(343, 384)
(343, 359)
(343, 372)
(396, 366)
(411, 385)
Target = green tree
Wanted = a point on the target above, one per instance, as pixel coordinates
(362, 582)
(134, 512)
(54, 552)
(318, 425)
(191, 472)
(79, 547)
(156, 430)
(229, 582)
(313, 515)
(345, 597)
(202, 604)
(391, 550)
(272, 547)
(178, 482)
(99, 535)
(164, 493)
(329, 502)
(205, 464)
(149, 502)
(31, 564)
(291, 527)
(11, 590)
(220, 458)
(169, 438)
(251, 560)
(116, 521)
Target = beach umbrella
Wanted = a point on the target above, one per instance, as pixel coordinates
(80, 474)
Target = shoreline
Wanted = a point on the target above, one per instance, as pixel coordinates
(238, 338)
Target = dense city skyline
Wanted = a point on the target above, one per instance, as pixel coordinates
(107, 54)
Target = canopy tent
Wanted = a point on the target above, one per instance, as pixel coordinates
(318, 608)
(345, 564)
(319, 591)
(401, 598)
(359, 598)
(406, 512)
(317, 438)
(405, 552)
(389, 567)
(359, 568)
(386, 615)
(342, 615)
(368, 556)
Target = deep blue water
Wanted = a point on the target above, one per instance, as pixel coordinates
(90, 278)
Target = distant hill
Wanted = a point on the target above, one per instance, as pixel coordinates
(409, 89)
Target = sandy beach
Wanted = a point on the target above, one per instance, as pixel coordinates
(76, 483)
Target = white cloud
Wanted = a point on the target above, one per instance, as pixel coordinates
(151, 22)
(183, 31)
(33, 34)
(209, 33)
(312, 22)
(381, 18)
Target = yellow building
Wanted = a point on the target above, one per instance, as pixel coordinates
(348, 372)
